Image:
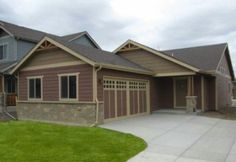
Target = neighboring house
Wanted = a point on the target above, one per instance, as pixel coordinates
(87, 85)
(15, 42)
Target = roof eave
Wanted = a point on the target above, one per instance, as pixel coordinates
(123, 68)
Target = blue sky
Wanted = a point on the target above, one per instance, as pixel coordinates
(160, 24)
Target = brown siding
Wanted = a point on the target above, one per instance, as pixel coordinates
(224, 91)
(212, 98)
(224, 84)
(50, 82)
(197, 90)
(224, 64)
(209, 89)
(52, 56)
(153, 62)
(115, 73)
(165, 93)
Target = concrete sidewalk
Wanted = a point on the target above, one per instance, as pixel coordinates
(181, 138)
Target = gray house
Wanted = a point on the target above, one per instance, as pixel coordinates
(15, 42)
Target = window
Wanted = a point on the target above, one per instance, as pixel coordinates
(10, 82)
(68, 86)
(3, 51)
(35, 88)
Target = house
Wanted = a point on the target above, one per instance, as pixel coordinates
(88, 85)
(15, 42)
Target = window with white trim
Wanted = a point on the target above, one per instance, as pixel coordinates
(35, 88)
(3, 51)
(68, 86)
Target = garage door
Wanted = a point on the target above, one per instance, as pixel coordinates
(123, 97)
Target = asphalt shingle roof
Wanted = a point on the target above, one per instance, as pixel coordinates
(71, 36)
(202, 57)
(23, 32)
(31, 34)
(98, 55)
(6, 65)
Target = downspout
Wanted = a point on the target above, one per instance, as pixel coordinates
(96, 98)
(4, 100)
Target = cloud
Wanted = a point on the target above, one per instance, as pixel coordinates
(159, 24)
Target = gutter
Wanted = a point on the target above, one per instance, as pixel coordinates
(96, 99)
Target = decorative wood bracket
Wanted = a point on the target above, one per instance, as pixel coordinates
(46, 45)
(129, 47)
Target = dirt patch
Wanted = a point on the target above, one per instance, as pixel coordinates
(227, 113)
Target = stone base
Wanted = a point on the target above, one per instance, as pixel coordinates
(75, 113)
(191, 104)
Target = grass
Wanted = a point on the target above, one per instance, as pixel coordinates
(25, 141)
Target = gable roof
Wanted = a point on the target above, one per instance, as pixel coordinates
(204, 57)
(92, 56)
(75, 36)
(21, 32)
(158, 53)
(72, 36)
(6, 66)
(35, 36)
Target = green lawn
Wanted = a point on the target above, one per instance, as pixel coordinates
(23, 141)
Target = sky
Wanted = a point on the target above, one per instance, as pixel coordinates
(160, 24)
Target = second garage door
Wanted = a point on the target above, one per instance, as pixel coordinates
(124, 97)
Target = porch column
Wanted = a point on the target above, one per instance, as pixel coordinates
(190, 86)
(191, 100)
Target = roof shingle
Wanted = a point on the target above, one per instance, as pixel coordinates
(99, 56)
(203, 57)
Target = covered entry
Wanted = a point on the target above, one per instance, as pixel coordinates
(124, 97)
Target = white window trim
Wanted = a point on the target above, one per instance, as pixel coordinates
(7, 44)
(41, 82)
(77, 86)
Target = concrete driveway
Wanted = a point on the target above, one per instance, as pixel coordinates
(181, 138)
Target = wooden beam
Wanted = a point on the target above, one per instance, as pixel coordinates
(129, 47)
(45, 46)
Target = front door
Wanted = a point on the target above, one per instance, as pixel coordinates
(180, 90)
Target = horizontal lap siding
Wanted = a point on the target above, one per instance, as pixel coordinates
(48, 58)
(115, 73)
(224, 91)
(224, 84)
(197, 90)
(51, 85)
(152, 61)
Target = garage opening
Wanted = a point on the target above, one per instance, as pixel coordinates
(124, 97)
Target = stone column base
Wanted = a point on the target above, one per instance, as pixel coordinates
(191, 103)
